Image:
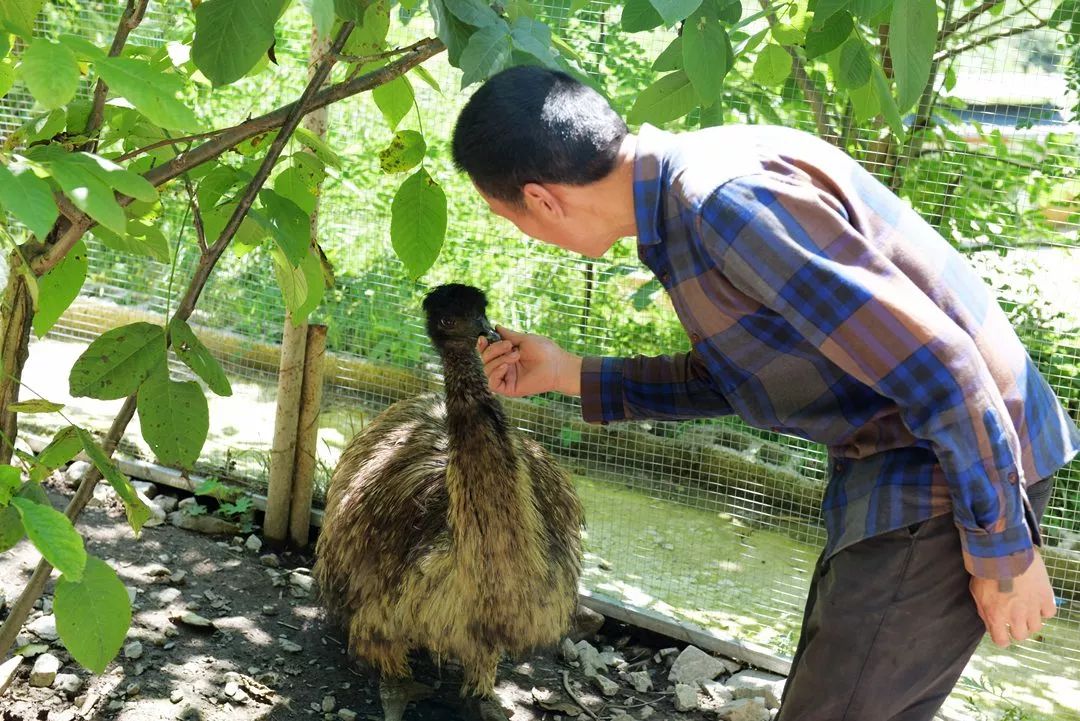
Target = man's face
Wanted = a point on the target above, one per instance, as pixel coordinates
(550, 219)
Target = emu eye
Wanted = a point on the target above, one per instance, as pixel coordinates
(446, 323)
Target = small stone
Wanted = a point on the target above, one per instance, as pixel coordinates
(44, 627)
(147, 488)
(132, 592)
(8, 669)
(301, 581)
(269, 610)
(606, 685)
(328, 704)
(46, 605)
(641, 681)
(176, 696)
(114, 705)
(139, 670)
(744, 709)
(166, 503)
(289, 646)
(730, 665)
(167, 596)
(612, 658)
(231, 688)
(586, 623)
(589, 658)
(646, 712)
(44, 671)
(75, 472)
(253, 543)
(133, 650)
(67, 683)
(133, 689)
(270, 560)
(187, 502)
(205, 523)
(178, 578)
(686, 697)
(694, 666)
(346, 714)
(190, 618)
(749, 684)
(568, 650)
(718, 692)
(23, 639)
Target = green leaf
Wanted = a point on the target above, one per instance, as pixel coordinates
(83, 48)
(5, 44)
(36, 405)
(141, 239)
(792, 25)
(92, 615)
(454, 33)
(912, 39)
(59, 287)
(137, 512)
(829, 36)
(672, 11)
(643, 296)
(639, 16)
(11, 528)
(86, 191)
(871, 11)
(17, 16)
(730, 11)
(670, 97)
(487, 53)
(351, 9)
(773, 65)
(51, 73)
(116, 177)
(28, 198)
(287, 224)
(825, 9)
(369, 37)
(118, 361)
(316, 144)
(61, 449)
(174, 418)
(865, 103)
(10, 480)
(428, 78)
(292, 184)
(854, 70)
(887, 101)
(950, 78)
(152, 92)
(707, 55)
(404, 152)
(473, 12)
(53, 535)
(395, 100)
(198, 358)
(533, 38)
(418, 222)
(7, 77)
(671, 58)
(231, 36)
(322, 15)
(1068, 10)
(301, 287)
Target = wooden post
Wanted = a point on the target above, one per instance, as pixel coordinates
(283, 450)
(307, 436)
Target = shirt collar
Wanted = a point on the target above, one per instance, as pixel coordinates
(650, 179)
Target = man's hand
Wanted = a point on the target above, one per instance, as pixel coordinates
(522, 365)
(1015, 607)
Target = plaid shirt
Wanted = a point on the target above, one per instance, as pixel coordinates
(819, 304)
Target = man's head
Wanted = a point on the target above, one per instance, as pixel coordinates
(531, 139)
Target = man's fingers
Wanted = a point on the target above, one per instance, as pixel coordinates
(999, 633)
(510, 335)
(494, 350)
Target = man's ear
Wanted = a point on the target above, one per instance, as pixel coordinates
(541, 201)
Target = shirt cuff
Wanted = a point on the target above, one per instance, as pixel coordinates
(602, 390)
(997, 556)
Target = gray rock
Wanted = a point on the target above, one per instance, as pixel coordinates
(210, 525)
(612, 658)
(44, 671)
(114, 705)
(729, 665)
(269, 610)
(253, 543)
(194, 620)
(146, 488)
(23, 639)
(748, 684)
(718, 692)
(568, 650)
(641, 681)
(8, 669)
(586, 623)
(46, 605)
(133, 650)
(270, 560)
(158, 515)
(589, 658)
(132, 592)
(178, 578)
(231, 688)
(75, 472)
(289, 646)
(166, 596)
(44, 627)
(302, 581)
(133, 689)
(606, 685)
(686, 698)
(176, 696)
(166, 503)
(67, 683)
(694, 666)
(744, 709)
(328, 704)
(346, 714)
(187, 502)
(646, 712)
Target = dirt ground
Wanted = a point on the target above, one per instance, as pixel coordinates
(272, 653)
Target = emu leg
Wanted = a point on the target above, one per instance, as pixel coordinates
(480, 701)
(397, 693)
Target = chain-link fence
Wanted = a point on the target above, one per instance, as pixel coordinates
(710, 523)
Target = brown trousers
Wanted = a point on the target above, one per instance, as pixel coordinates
(889, 626)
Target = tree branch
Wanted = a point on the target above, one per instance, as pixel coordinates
(229, 138)
(200, 229)
(133, 15)
(966, 19)
(979, 42)
(162, 143)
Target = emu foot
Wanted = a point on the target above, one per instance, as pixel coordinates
(483, 708)
(397, 693)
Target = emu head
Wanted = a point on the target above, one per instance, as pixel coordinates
(457, 314)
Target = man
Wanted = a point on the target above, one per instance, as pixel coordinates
(817, 304)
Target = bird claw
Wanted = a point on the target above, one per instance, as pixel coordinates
(485, 709)
(397, 694)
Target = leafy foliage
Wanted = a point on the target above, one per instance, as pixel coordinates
(93, 614)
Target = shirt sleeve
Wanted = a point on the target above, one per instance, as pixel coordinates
(789, 245)
(670, 387)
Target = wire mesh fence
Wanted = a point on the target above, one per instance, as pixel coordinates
(709, 522)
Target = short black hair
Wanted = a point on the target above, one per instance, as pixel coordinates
(529, 124)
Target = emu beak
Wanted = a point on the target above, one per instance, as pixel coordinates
(488, 331)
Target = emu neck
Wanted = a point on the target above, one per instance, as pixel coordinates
(491, 502)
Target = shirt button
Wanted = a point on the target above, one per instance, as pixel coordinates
(1013, 478)
(695, 337)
